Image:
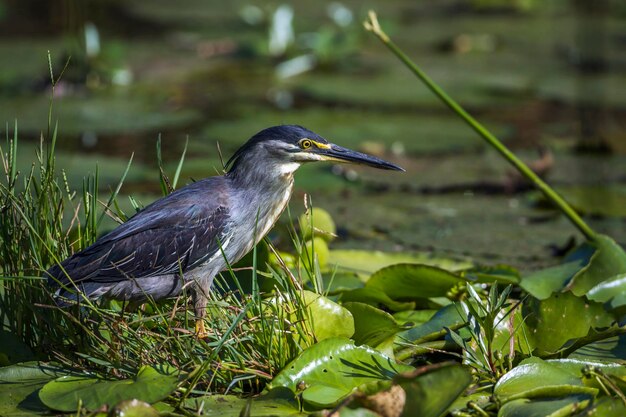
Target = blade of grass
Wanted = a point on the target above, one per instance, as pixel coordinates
(180, 164)
(373, 26)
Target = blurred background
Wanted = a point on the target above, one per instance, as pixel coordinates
(547, 77)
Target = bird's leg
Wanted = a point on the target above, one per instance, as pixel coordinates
(199, 304)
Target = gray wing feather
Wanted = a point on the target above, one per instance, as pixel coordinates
(174, 234)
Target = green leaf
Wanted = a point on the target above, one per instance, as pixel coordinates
(372, 325)
(578, 367)
(367, 262)
(375, 297)
(330, 370)
(133, 408)
(543, 283)
(504, 274)
(549, 407)
(277, 402)
(413, 281)
(450, 316)
(19, 384)
(563, 316)
(613, 289)
(13, 350)
(432, 393)
(606, 407)
(607, 349)
(608, 261)
(534, 378)
(413, 317)
(329, 318)
(66, 393)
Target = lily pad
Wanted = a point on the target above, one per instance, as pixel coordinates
(607, 407)
(612, 290)
(372, 325)
(504, 274)
(543, 283)
(13, 350)
(19, 384)
(375, 297)
(608, 261)
(66, 393)
(560, 318)
(450, 316)
(413, 281)
(277, 402)
(579, 367)
(432, 393)
(332, 369)
(561, 407)
(329, 318)
(366, 262)
(535, 378)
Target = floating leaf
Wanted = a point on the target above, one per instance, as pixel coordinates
(432, 393)
(133, 408)
(66, 393)
(13, 350)
(330, 370)
(613, 290)
(535, 378)
(19, 384)
(450, 316)
(367, 262)
(336, 282)
(608, 261)
(504, 274)
(277, 402)
(413, 281)
(329, 318)
(564, 316)
(375, 297)
(606, 349)
(579, 367)
(561, 407)
(543, 283)
(372, 325)
(607, 407)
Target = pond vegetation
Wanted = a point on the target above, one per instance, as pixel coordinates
(302, 326)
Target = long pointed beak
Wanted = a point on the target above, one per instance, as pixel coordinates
(340, 154)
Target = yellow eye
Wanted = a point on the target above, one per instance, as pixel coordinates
(305, 143)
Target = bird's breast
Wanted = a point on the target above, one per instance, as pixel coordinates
(257, 216)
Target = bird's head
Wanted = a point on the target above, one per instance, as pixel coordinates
(286, 147)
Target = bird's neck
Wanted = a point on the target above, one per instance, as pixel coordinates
(255, 177)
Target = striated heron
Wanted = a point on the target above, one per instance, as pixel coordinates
(189, 236)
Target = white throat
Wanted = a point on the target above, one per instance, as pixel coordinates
(289, 168)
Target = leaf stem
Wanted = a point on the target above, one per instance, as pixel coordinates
(373, 26)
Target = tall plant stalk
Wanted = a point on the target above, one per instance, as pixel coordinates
(373, 26)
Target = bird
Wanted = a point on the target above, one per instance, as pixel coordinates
(187, 237)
